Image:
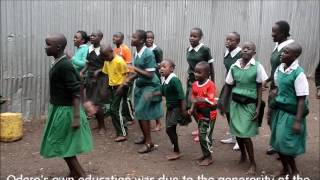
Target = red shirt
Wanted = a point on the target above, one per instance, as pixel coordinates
(207, 91)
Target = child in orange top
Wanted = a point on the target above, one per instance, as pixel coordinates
(204, 109)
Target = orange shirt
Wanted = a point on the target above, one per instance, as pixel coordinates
(124, 52)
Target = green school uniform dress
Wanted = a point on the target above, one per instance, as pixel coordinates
(147, 108)
(283, 139)
(158, 55)
(194, 56)
(229, 59)
(59, 138)
(245, 84)
(275, 62)
(172, 90)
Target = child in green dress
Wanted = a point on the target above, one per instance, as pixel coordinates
(158, 54)
(244, 79)
(67, 131)
(289, 130)
(146, 82)
(280, 35)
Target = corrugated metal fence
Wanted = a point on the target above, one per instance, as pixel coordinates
(26, 23)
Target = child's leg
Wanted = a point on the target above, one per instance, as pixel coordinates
(117, 119)
(250, 151)
(145, 127)
(100, 119)
(242, 147)
(172, 133)
(285, 165)
(75, 168)
(205, 139)
(292, 164)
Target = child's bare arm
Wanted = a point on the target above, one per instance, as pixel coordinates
(300, 109)
(226, 93)
(76, 112)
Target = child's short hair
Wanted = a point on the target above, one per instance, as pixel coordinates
(119, 33)
(172, 64)
(84, 36)
(142, 34)
(284, 27)
(150, 32)
(237, 35)
(199, 30)
(205, 65)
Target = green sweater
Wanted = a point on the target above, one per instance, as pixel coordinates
(64, 83)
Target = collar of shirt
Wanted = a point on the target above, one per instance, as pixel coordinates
(251, 62)
(283, 44)
(196, 48)
(166, 81)
(292, 67)
(57, 60)
(233, 52)
(203, 83)
(96, 50)
(139, 54)
(152, 47)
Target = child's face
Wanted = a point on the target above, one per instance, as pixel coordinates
(231, 41)
(95, 39)
(200, 73)
(51, 47)
(165, 68)
(194, 38)
(150, 39)
(116, 39)
(135, 39)
(287, 55)
(276, 33)
(106, 55)
(247, 51)
(77, 40)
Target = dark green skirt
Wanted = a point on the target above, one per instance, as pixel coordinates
(60, 139)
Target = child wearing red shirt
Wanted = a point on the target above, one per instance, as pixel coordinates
(204, 109)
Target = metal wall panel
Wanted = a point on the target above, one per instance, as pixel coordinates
(26, 23)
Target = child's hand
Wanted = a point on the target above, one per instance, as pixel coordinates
(130, 68)
(69, 55)
(296, 128)
(190, 111)
(96, 73)
(76, 122)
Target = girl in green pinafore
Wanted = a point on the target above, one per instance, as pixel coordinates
(67, 131)
(289, 130)
(196, 53)
(280, 34)
(232, 54)
(147, 82)
(244, 79)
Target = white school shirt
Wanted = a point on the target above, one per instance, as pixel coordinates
(261, 73)
(233, 52)
(283, 44)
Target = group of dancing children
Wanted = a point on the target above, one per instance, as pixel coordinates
(67, 131)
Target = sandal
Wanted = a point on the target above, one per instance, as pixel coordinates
(140, 140)
(146, 148)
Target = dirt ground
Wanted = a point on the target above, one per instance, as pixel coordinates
(109, 159)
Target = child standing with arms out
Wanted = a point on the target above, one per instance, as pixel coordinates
(146, 82)
(175, 101)
(158, 54)
(124, 51)
(196, 53)
(67, 131)
(204, 109)
(289, 130)
(244, 79)
(232, 54)
(116, 70)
